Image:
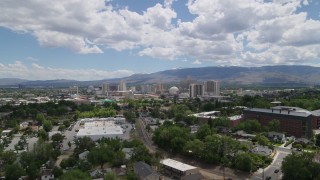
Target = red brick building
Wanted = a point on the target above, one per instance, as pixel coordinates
(294, 121)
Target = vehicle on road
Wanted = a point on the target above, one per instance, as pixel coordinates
(268, 178)
(276, 171)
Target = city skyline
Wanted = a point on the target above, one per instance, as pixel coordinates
(92, 40)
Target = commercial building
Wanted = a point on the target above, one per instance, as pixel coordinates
(101, 129)
(212, 88)
(196, 90)
(294, 121)
(176, 169)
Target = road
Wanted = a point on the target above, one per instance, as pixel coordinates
(281, 153)
(144, 136)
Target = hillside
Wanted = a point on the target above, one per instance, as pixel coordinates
(236, 76)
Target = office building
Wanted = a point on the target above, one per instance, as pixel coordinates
(212, 88)
(105, 88)
(122, 86)
(196, 90)
(294, 121)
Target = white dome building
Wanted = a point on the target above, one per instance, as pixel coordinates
(174, 90)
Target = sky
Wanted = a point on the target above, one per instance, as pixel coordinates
(102, 39)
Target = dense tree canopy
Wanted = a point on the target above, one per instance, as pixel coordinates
(300, 166)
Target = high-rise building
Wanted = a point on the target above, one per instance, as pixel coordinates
(105, 88)
(196, 90)
(212, 88)
(122, 86)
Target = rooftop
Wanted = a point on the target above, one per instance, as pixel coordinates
(177, 165)
(285, 110)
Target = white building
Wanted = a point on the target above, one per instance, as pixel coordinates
(177, 169)
(101, 129)
(196, 90)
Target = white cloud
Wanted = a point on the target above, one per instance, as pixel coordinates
(197, 62)
(38, 72)
(228, 32)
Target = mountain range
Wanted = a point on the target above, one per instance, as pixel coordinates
(236, 76)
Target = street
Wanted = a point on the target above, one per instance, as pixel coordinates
(144, 136)
(276, 164)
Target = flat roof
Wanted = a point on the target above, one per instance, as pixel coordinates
(291, 112)
(104, 130)
(177, 165)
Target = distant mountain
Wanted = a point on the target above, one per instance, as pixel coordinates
(266, 75)
(11, 81)
(234, 76)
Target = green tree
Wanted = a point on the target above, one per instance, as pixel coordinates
(75, 174)
(244, 162)
(13, 171)
(66, 123)
(262, 140)
(57, 137)
(84, 143)
(47, 125)
(40, 118)
(274, 125)
(8, 157)
(299, 166)
(101, 155)
(57, 172)
(42, 134)
(33, 170)
(317, 140)
(110, 176)
(203, 131)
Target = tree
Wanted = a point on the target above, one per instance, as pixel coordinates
(244, 162)
(203, 131)
(42, 134)
(317, 140)
(57, 172)
(274, 125)
(75, 174)
(110, 176)
(84, 143)
(33, 170)
(40, 117)
(47, 125)
(101, 155)
(66, 123)
(13, 171)
(262, 140)
(57, 137)
(300, 166)
(8, 157)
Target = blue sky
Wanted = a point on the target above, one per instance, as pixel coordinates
(96, 39)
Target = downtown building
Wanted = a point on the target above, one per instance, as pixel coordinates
(212, 88)
(196, 90)
(294, 121)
